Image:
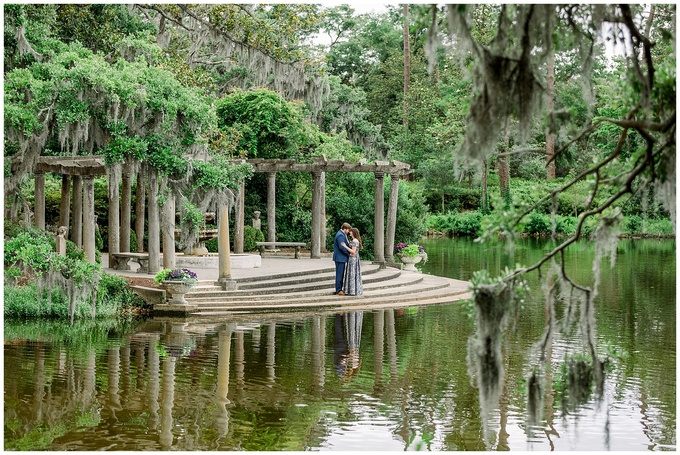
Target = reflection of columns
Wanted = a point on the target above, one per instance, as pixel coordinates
(88, 217)
(39, 387)
(392, 217)
(154, 224)
(271, 207)
(323, 212)
(154, 383)
(316, 215)
(391, 343)
(113, 379)
(169, 233)
(271, 352)
(39, 204)
(114, 216)
(89, 381)
(239, 360)
(379, 220)
(378, 345)
(77, 212)
(255, 341)
(223, 357)
(167, 401)
(224, 276)
(239, 219)
(318, 352)
(125, 371)
(125, 210)
(64, 204)
(140, 199)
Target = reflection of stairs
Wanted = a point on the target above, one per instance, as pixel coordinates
(310, 290)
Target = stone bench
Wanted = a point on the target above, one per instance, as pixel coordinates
(296, 245)
(123, 259)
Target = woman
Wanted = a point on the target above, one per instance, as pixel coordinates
(352, 281)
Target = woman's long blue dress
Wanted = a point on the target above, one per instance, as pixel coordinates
(351, 284)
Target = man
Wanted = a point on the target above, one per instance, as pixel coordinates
(340, 256)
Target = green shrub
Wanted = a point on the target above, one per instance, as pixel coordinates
(538, 224)
(660, 227)
(467, 224)
(633, 225)
(113, 294)
(250, 236)
(211, 245)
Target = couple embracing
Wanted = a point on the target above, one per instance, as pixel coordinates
(346, 258)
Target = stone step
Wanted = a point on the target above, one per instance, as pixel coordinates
(255, 282)
(453, 290)
(310, 283)
(299, 291)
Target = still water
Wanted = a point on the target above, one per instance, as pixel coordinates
(377, 380)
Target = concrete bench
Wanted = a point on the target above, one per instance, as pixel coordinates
(123, 259)
(296, 245)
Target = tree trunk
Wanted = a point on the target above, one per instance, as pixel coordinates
(484, 187)
(503, 167)
(549, 134)
(407, 62)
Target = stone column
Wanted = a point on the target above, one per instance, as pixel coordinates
(271, 207)
(88, 217)
(316, 215)
(64, 205)
(154, 224)
(169, 234)
(77, 209)
(379, 220)
(125, 210)
(239, 219)
(114, 218)
(392, 217)
(323, 212)
(39, 212)
(224, 276)
(140, 198)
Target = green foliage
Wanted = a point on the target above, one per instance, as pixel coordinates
(537, 224)
(161, 276)
(250, 236)
(457, 224)
(271, 127)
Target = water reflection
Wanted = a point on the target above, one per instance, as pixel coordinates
(368, 380)
(347, 343)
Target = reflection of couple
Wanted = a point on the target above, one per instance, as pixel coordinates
(347, 263)
(347, 342)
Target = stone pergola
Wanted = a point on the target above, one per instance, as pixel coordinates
(78, 175)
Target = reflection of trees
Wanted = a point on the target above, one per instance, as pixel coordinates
(228, 394)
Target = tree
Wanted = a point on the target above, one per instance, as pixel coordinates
(507, 84)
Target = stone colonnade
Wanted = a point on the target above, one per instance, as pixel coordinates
(383, 235)
(78, 184)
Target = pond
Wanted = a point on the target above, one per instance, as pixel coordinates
(377, 380)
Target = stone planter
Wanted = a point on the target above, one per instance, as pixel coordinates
(176, 290)
(410, 262)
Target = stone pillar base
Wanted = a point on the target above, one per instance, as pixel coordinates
(380, 263)
(227, 284)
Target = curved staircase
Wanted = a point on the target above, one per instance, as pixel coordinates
(313, 290)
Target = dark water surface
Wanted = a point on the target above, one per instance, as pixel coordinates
(378, 380)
